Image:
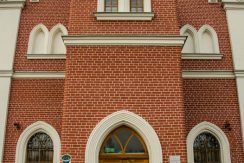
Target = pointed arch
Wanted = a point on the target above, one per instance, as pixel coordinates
(131, 120)
(56, 45)
(39, 126)
(208, 40)
(38, 40)
(215, 131)
(192, 42)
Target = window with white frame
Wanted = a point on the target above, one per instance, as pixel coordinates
(124, 10)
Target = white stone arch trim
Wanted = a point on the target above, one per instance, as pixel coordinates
(36, 127)
(193, 31)
(214, 130)
(53, 31)
(115, 120)
(213, 35)
(33, 35)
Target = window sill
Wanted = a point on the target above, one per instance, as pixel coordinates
(143, 16)
(46, 56)
(202, 56)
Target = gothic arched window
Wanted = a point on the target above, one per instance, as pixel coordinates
(40, 149)
(123, 145)
(206, 149)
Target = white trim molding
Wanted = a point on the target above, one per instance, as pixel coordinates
(202, 56)
(46, 56)
(39, 126)
(6, 73)
(115, 120)
(125, 40)
(239, 73)
(214, 130)
(144, 16)
(206, 74)
(38, 75)
(12, 4)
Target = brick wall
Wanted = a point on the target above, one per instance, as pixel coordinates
(145, 80)
(31, 101)
(215, 101)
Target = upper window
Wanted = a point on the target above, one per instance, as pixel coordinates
(124, 10)
(111, 5)
(123, 143)
(40, 149)
(206, 149)
(136, 5)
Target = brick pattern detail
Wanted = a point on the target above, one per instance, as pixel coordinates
(48, 13)
(145, 80)
(198, 13)
(215, 101)
(31, 101)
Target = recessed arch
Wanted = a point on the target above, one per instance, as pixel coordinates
(39, 126)
(192, 42)
(208, 39)
(131, 120)
(38, 40)
(56, 45)
(215, 131)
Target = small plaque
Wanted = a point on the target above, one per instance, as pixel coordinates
(174, 159)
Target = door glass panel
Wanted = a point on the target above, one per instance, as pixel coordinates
(123, 145)
(112, 146)
(123, 135)
(135, 146)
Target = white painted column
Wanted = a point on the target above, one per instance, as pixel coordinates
(10, 11)
(235, 17)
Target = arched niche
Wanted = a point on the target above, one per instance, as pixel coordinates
(191, 44)
(206, 127)
(56, 44)
(37, 127)
(115, 120)
(208, 40)
(38, 40)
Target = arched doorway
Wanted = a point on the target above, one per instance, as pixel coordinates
(123, 145)
(206, 149)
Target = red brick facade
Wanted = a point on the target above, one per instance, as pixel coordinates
(146, 80)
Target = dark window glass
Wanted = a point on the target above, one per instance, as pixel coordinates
(40, 149)
(136, 5)
(111, 5)
(206, 149)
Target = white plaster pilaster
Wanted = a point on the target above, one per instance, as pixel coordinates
(10, 11)
(235, 16)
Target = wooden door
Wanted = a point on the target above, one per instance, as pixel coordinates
(125, 161)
